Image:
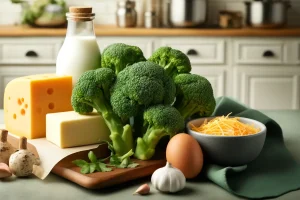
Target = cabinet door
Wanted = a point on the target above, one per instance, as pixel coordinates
(216, 76)
(268, 88)
(9, 73)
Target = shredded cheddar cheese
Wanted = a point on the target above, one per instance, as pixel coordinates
(227, 126)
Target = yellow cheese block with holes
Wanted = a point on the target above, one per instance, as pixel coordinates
(70, 129)
(28, 99)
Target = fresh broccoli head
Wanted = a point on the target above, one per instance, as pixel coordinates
(118, 56)
(139, 86)
(172, 60)
(93, 91)
(194, 95)
(159, 121)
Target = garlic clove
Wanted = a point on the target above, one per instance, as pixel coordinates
(143, 190)
(21, 163)
(4, 171)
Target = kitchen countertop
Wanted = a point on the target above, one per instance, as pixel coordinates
(55, 187)
(23, 31)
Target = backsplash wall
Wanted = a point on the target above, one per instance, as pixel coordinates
(105, 10)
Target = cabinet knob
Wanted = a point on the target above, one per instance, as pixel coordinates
(268, 54)
(192, 52)
(31, 54)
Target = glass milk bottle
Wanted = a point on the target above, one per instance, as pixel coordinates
(80, 51)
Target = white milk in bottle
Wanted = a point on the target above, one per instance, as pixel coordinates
(80, 51)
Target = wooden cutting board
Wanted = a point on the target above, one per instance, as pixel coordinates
(66, 169)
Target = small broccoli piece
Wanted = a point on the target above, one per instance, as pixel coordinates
(159, 121)
(194, 95)
(172, 60)
(118, 56)
(93, 91)
(139, 86)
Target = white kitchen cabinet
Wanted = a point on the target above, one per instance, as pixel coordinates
(268, 88)
(8, 73)
(262, 73)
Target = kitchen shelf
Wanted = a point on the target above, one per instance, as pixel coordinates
(25, 31)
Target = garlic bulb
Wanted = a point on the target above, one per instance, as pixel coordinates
(168, 179)
(21, 163)
(6, 149)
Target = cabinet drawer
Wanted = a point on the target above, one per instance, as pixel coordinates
(259, 52)
(200, 51)
(29, 52)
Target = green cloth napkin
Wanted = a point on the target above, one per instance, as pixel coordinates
(272, 174)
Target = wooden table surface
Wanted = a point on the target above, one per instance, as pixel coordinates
(23, 31)
(58, 188)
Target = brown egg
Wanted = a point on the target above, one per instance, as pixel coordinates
(185, 153)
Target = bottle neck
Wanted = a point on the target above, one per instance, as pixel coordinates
(80, 28)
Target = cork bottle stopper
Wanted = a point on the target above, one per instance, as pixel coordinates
(23, 143)
(3, 135)
(80, 13)
(80, 9)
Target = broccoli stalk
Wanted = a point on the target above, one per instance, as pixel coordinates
(120, 135)
(159, 121)
(92, 92)
(194, 95)
(172, 60)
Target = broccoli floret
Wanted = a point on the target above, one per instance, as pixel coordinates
(139, 86)
(123, 106)
(118, 56)
(194, 95)
(159, 121)
(93, 91)
(172, 60)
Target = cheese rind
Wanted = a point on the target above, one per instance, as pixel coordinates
(70, 129)
(28, 99)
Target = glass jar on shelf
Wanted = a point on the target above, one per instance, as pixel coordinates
(126, 14)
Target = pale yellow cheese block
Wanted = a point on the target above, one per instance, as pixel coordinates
(70, 129)
(28, 99)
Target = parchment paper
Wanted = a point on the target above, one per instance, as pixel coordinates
(50, 155)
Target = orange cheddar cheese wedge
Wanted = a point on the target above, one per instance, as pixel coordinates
(28, 99)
